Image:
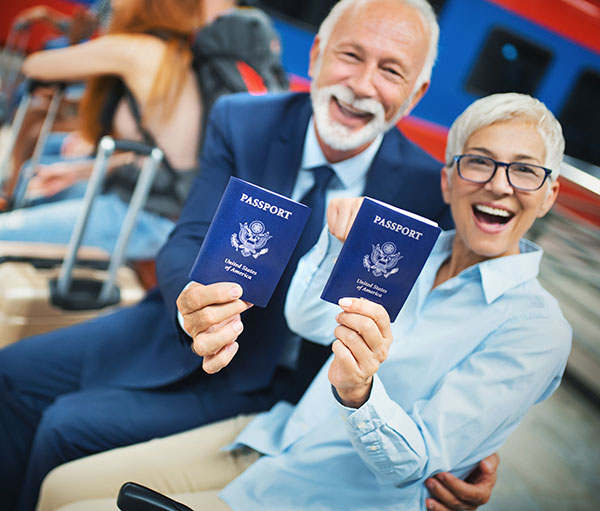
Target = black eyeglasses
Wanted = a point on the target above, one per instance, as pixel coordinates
(481, 169)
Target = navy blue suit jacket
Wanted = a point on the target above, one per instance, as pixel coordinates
(259, 139)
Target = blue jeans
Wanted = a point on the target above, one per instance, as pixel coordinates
(52, 221)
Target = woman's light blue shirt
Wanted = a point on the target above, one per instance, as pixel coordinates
(469, 358)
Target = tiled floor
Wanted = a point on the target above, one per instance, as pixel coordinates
(552, 461)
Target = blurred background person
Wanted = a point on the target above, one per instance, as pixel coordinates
(143, 63)
(82, 24)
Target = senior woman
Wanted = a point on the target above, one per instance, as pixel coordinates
(478, 342)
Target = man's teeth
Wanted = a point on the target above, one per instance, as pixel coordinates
(352, 110)
(492, 211)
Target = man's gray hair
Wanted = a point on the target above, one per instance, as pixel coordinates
(422, 6)
(503, 107)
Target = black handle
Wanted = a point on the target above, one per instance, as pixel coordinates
(133, 145)
(135, 497)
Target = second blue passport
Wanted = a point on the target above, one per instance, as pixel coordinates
(250, 240)
(382, 257)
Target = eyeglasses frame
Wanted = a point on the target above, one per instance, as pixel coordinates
(457, 157)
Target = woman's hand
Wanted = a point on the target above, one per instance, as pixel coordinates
(363, 339)
(340, 216)
(53, 178)
(75, 146)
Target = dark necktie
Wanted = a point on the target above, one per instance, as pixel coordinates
(314, 199)
(311, 356)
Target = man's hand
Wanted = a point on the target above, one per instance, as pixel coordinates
(451, 493)
(211, 315)
(340, 216)
(363, 340)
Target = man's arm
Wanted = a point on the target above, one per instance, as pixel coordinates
(449, 493)
(210, 314)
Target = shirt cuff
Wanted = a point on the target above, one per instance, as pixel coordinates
(380, 410)
(179, 315)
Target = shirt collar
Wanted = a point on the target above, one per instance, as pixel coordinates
(501, 274)
(347, 171)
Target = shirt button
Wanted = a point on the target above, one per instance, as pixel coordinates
(362, 425)
(372, 448)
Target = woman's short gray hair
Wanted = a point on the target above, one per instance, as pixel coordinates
(422, 6)
(503, 107)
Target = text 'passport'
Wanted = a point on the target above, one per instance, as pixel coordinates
(250, 240)
(382, 257)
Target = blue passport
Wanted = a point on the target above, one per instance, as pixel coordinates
(382, 257)
(250, 240)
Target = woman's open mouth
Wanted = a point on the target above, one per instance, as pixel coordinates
(492, 215)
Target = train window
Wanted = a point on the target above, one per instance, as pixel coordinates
(437, 5)
(579, 118)
(312, 12)
(508, 63)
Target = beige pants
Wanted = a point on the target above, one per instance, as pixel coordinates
(189, 467)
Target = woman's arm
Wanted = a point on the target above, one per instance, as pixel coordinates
(470, 412)
(110, 54)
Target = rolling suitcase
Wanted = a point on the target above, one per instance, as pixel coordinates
(43, 287)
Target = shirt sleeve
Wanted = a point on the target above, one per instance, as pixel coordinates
(471, 411)
(306, 314)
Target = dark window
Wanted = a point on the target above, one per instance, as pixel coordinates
(580, 116)
(508, 63)
(308, 12)
(312, 12)
(437, 5)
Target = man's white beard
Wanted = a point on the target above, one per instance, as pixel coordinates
(336, 135)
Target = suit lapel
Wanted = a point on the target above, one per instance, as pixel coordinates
(284, 157)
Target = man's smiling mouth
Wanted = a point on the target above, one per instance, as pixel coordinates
(350, 111)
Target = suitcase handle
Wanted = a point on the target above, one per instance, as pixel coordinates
(28, 171)
(18, 196)
(108, 293)
(133, 145)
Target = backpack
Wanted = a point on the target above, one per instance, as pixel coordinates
(239, 51)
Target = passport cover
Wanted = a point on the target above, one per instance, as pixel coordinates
(382, 257)
(250, 240)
